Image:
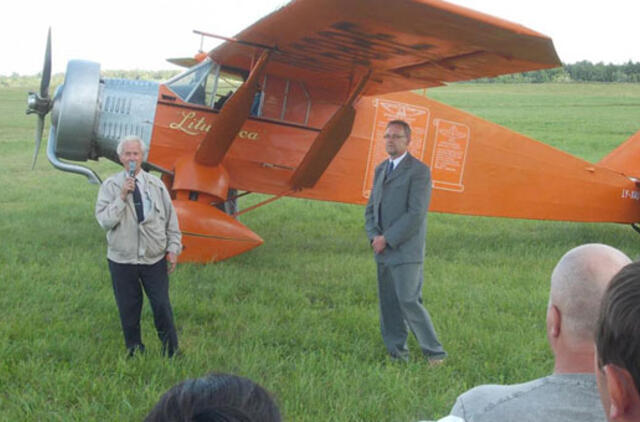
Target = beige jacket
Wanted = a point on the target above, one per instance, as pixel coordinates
(127, 241)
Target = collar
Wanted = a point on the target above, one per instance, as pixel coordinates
(396, 161)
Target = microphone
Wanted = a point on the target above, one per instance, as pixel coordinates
(132, 169)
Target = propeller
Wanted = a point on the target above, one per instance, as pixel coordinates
(40, 103)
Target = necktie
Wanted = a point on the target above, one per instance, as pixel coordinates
(137, 202)
(389, 169)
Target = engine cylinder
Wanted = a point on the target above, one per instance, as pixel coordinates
(126, 107)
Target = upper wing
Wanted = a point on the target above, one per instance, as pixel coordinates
(407, 44)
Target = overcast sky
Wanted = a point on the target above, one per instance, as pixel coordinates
(141, 34)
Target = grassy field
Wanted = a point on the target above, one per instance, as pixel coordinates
(299, 314)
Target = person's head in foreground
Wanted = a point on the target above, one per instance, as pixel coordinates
(578, 283)
(618, 346)
(215, 398)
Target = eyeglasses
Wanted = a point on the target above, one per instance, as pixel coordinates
(394, 136)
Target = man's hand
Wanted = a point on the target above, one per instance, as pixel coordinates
(128, 186)
(378, 244)
(172, 261)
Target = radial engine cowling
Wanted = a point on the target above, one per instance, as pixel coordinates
(90, 115)
(74, 114)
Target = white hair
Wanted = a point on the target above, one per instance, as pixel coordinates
(578, 283)
(131, 138)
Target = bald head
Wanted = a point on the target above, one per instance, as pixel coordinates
(578, 283)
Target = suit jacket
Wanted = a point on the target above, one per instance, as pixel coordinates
(397, 209)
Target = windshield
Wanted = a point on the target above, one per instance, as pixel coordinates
(191, 85)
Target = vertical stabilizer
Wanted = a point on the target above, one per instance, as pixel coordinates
(625, 158)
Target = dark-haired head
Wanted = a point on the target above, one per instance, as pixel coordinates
(618, 331)
(618, 346)
(215, 398)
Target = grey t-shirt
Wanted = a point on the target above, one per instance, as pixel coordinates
(562, 397)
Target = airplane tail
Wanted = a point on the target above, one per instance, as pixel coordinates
(625, 158)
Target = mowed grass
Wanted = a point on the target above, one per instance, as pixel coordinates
(299, 314)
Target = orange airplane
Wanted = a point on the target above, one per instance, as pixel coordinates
(296, 104)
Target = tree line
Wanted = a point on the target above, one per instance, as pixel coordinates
(33, 81)
(583, 71)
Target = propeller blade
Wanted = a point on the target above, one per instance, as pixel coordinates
(39, 130)
(46, 69)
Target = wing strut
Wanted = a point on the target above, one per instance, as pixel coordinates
(328, 142)
(265, 202)
(235, 112)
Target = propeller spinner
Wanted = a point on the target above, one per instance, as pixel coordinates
(40, 103)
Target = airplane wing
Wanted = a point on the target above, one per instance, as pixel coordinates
(407, 44)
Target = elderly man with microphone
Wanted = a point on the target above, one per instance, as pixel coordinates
(144, 242)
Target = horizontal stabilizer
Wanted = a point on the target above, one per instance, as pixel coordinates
(183, 61)
(625, 158)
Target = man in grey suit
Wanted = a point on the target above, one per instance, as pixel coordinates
(395, 221)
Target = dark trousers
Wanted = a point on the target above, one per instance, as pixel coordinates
(127, 280)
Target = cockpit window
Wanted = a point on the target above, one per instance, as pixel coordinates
(228, 83)
(280, 99)
(191, 85)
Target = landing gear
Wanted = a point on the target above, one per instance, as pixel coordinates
(230, 206)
